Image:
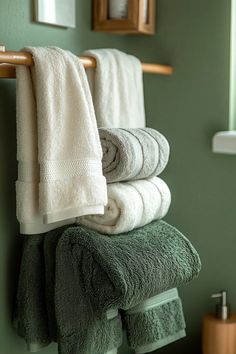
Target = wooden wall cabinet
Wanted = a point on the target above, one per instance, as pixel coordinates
(137, 20)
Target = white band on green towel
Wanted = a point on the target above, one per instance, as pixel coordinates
(36, 347)
(112, 314)
(155, 301)
(160, 343)
(113, 351)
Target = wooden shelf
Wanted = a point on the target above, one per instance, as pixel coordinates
(137, 22)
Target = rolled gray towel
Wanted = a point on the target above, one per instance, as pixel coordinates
(96, 273)
(130, 154)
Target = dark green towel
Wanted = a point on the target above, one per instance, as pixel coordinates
(50, 244)
(106, 332)
(35, 318)
(31, 319)
(155, 322)
(95, 273)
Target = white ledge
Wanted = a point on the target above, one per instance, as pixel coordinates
(224, 142)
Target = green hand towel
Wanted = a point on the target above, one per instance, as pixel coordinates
(35, 318)
(50, 244)
(31, 314)
(105, 334)
(156, 322)
(96, 273)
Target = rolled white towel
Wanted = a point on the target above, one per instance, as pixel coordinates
(131, 205)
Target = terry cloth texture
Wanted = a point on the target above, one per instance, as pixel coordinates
(58, 147)
(155, 322)
(50, 243)
(117, 89)
(131, 154)
(31, 320)
(131, 205)
(106, 332)
(96, 273)
(35, 318)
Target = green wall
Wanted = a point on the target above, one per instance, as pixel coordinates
(187, 107)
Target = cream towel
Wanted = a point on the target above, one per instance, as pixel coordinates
(58, 147)
(117, 89)
(131, 205)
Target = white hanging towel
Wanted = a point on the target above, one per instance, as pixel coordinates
(58, 148)
(117, 89)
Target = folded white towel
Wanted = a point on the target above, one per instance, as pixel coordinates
(58, 147)
(117, 89)
(131, 205)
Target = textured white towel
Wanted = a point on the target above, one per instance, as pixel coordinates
(131, 205)
(130, 154)
(58, 147)
(117, 89)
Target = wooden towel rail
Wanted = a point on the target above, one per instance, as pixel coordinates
(8, 60)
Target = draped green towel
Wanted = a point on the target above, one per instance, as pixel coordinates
(155, 322)
(73, 281)
(96, 273)
(30, 318)
(35, 319)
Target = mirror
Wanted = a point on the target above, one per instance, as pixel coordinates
(55, 12)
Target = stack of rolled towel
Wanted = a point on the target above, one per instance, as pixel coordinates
(132, 158)
(80, 288)
(133, 155)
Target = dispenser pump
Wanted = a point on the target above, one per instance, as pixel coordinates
(222, 309)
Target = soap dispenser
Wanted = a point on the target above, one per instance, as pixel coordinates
(219, 330)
